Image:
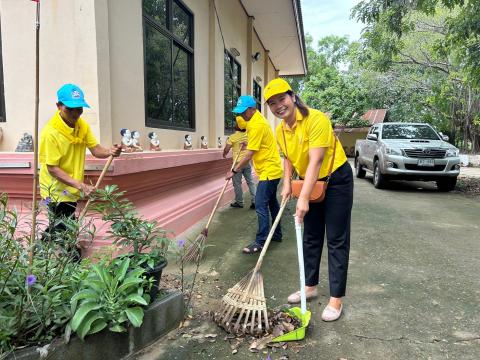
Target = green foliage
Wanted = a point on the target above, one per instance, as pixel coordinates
(327, 87)
(111, 296)
(147, 242)
(34, 299)
(431, 50)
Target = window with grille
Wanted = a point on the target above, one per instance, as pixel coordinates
(232, 89)
(169, 77)
(2, 95)
(257, 94)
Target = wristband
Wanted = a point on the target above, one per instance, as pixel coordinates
(235, 172)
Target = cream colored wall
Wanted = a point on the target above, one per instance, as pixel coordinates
(233, 21)
(67, 54)
(102, 52)
(257, 68)
(127, 73)
(271, 75)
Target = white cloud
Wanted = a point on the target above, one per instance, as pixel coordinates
(327, 17)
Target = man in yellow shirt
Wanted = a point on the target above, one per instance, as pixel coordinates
(262, 150)
(236, 142)
(63, 142)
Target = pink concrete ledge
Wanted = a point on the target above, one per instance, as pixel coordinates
(175, 188)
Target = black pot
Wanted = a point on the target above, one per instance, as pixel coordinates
(156, 274)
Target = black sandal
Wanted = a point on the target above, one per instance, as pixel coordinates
(252, 248)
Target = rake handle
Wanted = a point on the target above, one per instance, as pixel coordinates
(205, 230)
(265, 246)
(99, 180)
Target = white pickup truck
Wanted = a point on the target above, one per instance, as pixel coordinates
(407, 151)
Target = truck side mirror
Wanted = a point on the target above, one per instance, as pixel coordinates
(445, 137)
(373, 137)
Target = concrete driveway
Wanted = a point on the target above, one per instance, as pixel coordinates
(413, 290)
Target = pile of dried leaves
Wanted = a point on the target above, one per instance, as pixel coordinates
(280, 323)
(468, 185)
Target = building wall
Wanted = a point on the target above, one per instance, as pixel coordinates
(68, 53)
(98, 44)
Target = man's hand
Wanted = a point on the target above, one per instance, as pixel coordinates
(302, 209)
(229, 175)
(286, 191)
(244, 146)
(86, 189)
(116, 150)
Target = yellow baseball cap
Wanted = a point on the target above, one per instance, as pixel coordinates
(274, 87)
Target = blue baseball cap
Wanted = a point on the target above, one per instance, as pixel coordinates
(71, 96)
(244, 102)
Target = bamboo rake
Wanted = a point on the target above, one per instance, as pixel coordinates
(247, 298)
(195, 251)
(99, 180)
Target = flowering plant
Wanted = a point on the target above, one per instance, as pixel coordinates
(34, 298)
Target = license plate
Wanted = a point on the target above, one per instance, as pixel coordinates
(426, 162)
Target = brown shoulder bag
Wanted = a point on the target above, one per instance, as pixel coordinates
(320, 188)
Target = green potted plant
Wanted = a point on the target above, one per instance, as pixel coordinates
(145, 241)
(111, 296)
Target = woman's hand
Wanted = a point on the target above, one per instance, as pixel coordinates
(302, 209)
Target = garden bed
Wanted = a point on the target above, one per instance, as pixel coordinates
(160, 317)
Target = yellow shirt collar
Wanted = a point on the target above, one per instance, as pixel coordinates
(298, 117)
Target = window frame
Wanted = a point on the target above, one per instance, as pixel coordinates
(238, 86)
(257, 99)
(3, 115)
(174, 41)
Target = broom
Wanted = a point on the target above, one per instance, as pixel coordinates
(99, 180)
(247, 298)
(194, 252)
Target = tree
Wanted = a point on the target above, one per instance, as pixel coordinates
(421, 41)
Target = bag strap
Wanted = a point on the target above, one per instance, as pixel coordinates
(333, 158)
(331, 162)
(286, 154)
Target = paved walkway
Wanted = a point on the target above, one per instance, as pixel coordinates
(470, 172)
(413, 291)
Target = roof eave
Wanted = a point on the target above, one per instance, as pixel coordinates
(297, 7)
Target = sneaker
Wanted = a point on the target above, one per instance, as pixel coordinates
(236, 205)
(252, 206)
(295, 297)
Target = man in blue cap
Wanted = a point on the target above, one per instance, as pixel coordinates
(262, 150)
(63, 142)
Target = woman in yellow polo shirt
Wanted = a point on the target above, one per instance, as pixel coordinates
(306, 138)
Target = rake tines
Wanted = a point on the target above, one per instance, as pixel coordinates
(195, 250)
(246, 298)
(245, 307)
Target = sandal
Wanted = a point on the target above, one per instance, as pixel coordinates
(252, 248)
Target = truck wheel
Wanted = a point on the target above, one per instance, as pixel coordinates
(359, 170)
(379, 180)
(447, 184)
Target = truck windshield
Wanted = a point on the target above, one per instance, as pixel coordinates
(399, 131)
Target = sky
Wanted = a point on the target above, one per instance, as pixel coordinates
(327, 17)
